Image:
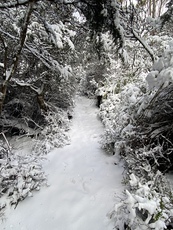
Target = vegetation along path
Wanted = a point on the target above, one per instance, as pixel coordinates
(84, 182)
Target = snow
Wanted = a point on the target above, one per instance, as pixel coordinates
(161, 75)
(60, 34)
(2, 65)
(9, 72)
(107, 41)
(85, 182)
(158, 225)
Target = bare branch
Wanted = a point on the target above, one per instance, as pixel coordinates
(8, 35)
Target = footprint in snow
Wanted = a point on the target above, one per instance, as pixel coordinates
(85, 186)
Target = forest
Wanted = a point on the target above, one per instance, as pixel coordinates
(117, 52)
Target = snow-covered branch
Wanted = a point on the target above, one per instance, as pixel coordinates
(50, 63)
(8, 34)
(36, 90)
(70, 1)
(145, 45)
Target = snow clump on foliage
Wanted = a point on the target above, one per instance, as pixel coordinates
(20, 175)
(21, 172)
(162, 73)
(137, 122)
(54, 135)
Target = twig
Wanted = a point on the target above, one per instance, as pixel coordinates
(8, 145)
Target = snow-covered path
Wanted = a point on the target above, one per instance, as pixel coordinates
(84, 183)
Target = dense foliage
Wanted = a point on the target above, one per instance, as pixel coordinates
(114, 51)
(137, 113)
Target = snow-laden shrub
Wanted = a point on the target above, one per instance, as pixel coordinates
(55, 134)
(161, 74)
(20, 175)
(92, 79)
(117, 111)
(88, 85)
(155, 113)
(148, 203)
(160, 43)
(139, 127)
(146, 206)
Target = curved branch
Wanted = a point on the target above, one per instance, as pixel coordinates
(145, 45)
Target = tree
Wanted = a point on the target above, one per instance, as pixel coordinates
(35, 44)
(8, 73)
(153, 8)
(43, 41)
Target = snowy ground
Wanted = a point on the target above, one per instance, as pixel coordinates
(85, 182)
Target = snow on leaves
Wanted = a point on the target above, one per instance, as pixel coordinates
(148, 200)
(60, 34)
(162, 73)
(20, 175)
(55, 134)
(145, 207)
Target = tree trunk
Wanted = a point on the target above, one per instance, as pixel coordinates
(149, 7)
(14, 65)
(3, 92)
(41, 102)
(154, 9)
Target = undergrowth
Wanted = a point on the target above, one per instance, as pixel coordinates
(138, 126)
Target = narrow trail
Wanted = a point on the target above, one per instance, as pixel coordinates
(84, 182)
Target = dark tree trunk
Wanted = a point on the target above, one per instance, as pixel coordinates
(41, 102)
(99, 101)
(14, 65)
(3, 92)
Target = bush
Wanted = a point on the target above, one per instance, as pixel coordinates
(139, 128)
(20, 175)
